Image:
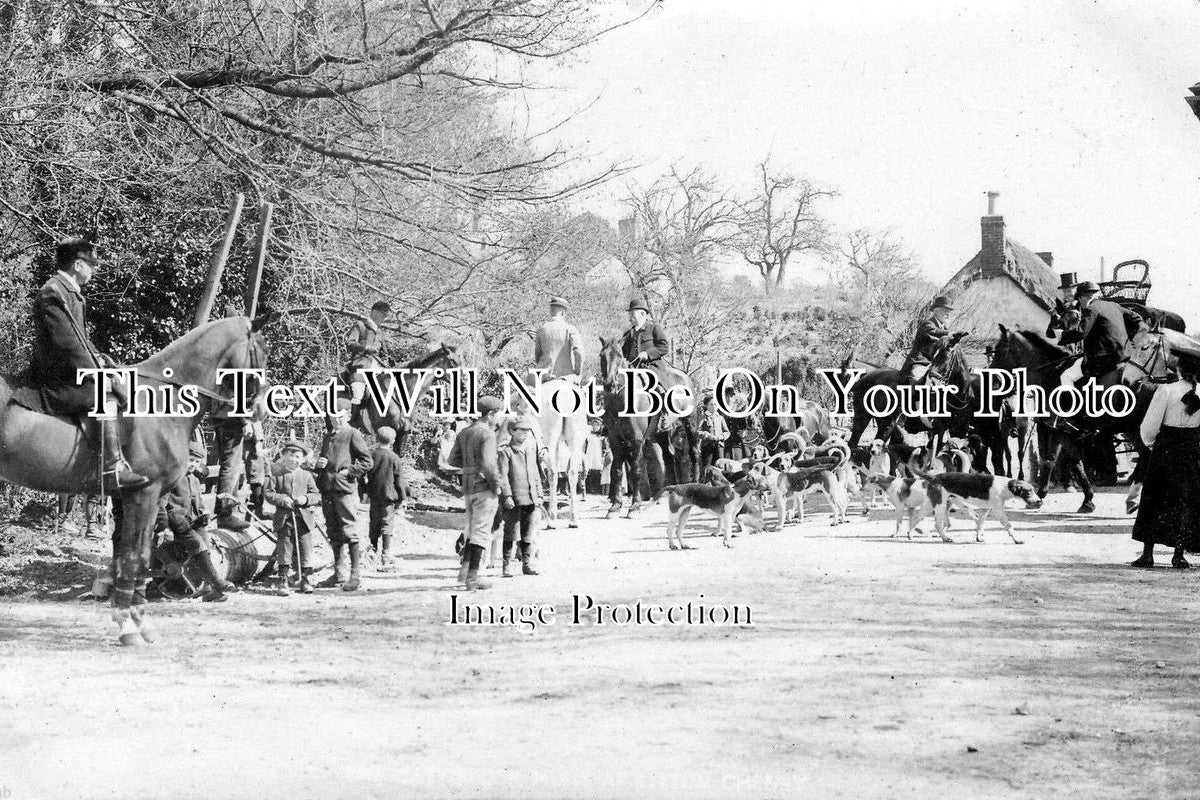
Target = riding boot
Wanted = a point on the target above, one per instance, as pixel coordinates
(114, 459)
(506, 570)
(473, 580)
(354, 582)
(218, 587)
(336, 578)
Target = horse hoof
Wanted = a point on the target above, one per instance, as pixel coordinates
(1087, 507)
(131, 639)
(672, 546)
(572, 524)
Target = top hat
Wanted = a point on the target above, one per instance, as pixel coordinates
(1067, 280)
(1087, 287)
(941, 301)
(639, 303)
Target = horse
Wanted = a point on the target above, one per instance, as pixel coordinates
(442, 357)
(1044, 361)
(630, 435)
(562, 436)
(958, 374)
(52, 454)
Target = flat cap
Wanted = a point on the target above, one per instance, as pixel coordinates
(941, 301)
(197, 450)
(487, 404)
(69, 250)
(560, 302)
(638, 303)
(521, 424)
(295, 444)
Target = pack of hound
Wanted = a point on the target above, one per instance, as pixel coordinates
(736, 492)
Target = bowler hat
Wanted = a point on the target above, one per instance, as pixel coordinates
(637, 303)
(560, 302)
(1067, 280)
(70, 250)
(197, 450)
(488, 404)
(295, 444)
(1087, 287)
(941, 301)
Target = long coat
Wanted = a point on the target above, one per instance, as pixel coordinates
(298, 485)
(650, 339)
(61, 346)
(557, 348)
(1106, 327)
(345, 448)
(932, 336)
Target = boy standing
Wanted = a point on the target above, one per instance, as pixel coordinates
(475, 454)
(293, 492)
(520, 494)
(344, 458)
(387, 489)
(181, 510)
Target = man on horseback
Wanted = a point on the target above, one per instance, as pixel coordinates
(61, 346)
(556, 348)
(645, 344)
(932, 342)
(364, 342)
(1104, 331)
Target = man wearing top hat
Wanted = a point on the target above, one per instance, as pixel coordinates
(556, 348)
(1104, 331)
(61, 346)
(933, 339)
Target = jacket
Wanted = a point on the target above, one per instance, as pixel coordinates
(298, 486)
(61, 346)
(364, 342)
(474, 453)
(345, 448)
(1105, 329)
(182, 505)
(650, 339)
(557, 348)
(713, 428)
(932, 337)
(524, 463)
(385, 480)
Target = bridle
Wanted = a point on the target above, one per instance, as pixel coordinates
(254, 357)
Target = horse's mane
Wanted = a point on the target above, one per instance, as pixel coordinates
(1041, 342)
(427, 358)
(189, 339)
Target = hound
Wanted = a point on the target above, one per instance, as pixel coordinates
(807, 475)
(913, 498)
(724, 501)
(879, 463)
(984, 494)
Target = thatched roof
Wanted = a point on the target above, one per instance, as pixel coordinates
(1021, 265)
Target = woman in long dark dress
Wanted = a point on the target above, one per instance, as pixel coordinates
(1169, 513)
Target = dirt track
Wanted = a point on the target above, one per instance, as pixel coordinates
(875, 668)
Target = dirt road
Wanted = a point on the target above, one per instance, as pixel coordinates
(874, 668)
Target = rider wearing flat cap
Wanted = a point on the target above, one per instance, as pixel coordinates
(556, 347)
(363, 342)
(932, 340)
(61, 346)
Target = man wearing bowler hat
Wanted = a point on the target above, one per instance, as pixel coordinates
(932, 341)
(556, 348)
(645, 344)
(61, 346)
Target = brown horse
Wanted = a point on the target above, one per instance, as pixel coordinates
(52, 454)
(630, 437)
(442, 357)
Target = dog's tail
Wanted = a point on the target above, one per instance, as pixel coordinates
(661, 492)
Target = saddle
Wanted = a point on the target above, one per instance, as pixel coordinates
(27, 393)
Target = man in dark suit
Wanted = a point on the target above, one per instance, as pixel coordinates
(932, 341)
(61, 346)
(345, 457)
(1104, 331)
(645, 344)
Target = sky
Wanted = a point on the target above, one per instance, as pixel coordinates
(1072, 110)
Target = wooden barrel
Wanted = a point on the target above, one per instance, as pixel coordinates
(247, 553)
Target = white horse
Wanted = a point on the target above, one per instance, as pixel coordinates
(562, 436)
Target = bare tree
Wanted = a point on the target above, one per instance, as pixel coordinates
(782, 222)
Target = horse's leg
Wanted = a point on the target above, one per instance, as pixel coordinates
(131, 563)
(636, 466)
(1085, 483)
(616, 472)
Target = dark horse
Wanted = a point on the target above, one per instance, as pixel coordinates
(1044, 362)
(957, 374)
(631, 437)
(51, 454)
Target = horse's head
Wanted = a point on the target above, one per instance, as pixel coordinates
(1065, 316)
(1148, 357)
(612, 361)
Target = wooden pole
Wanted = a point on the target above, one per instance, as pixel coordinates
(216, 266)
(254, 279)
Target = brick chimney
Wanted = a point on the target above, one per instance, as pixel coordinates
(1048, 258)
(992, 251)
